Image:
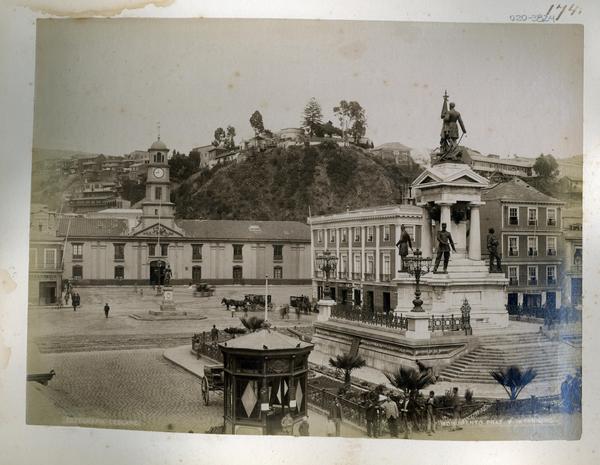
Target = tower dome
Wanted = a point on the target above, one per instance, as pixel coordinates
(158, 145)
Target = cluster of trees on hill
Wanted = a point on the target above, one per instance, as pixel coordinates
(351, 116)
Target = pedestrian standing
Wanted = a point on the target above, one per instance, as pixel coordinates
(371, 416)
(214, 334)
(303, 428)
(430, 414)
(287, 424)
(106, 309)
(391, 415)
(75, 301)
(335, 414)
(455, 409)
(405, 420)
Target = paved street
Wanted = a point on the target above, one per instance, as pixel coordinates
(132, 389)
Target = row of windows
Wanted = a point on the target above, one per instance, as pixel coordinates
(119, 272)
(532, 275)
(369, 262)
(356, 234)
(532, 246)
(153, 250)
(532, 216)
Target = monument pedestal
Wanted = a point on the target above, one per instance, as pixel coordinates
(418, 326)
(444, 293)
(168, 306)
(325, 309)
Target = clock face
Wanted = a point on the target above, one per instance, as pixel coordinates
(158, 173)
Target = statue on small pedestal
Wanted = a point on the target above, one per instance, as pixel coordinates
(445, 241)
(492, 246)
(403, 245)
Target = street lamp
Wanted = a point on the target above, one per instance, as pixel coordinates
(418, 266)
(327, 264)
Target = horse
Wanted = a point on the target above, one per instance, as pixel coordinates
(233, 302)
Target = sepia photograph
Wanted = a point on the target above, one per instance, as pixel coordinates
(307, 228)
(257, 233)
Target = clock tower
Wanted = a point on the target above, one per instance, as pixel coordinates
(157, 206)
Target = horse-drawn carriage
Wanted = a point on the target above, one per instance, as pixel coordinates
(255, 301)
(203, 290)
(302, 303)
(212, 365)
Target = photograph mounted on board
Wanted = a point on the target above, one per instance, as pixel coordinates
(307, 228)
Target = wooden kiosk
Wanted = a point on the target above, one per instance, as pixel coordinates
(264, 378)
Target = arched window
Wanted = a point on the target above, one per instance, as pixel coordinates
(237, 273)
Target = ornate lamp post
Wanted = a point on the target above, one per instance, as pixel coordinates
(327, 264)
(418, 266)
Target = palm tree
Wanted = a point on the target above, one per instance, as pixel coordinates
(513, 380)
(347, 362)
(253, 323)
(409, 380)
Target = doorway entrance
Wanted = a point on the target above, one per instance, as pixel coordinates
(357, 299)
(387, 302)
(47, 292)
(551, 300)
(369, 301)
(157, 272)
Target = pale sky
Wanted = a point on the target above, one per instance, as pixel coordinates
(102, 85)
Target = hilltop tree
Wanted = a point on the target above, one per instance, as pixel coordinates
(256, 121)
(229, 143)
(312, 116)
(546, 166)
(219, 137)
(352, 118)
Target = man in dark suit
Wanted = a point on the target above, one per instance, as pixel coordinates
(445, 241)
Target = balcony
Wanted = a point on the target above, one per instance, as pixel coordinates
(513, 252)
(238, 258)
(369, 277)
(513, 281)
(551, 252)
(551, 281)
(532, 282)
(343, 275)
(356, 276)
(532, 252)
(277, 258)
(319, 274)
(386, 278)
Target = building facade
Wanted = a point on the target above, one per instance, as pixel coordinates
(572, 255)
(45, 257)
(109, 249)
(365, 243)
(528, 225)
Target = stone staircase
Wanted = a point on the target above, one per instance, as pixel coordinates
(552, 360)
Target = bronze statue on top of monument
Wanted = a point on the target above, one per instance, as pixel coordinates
(450, 151)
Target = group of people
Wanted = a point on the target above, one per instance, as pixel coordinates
(287, 426)
(570, 393)
(405, 413)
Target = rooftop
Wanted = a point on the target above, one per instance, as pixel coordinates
(393, 146)
(197, 229)
(518, 191)
(265, 340)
